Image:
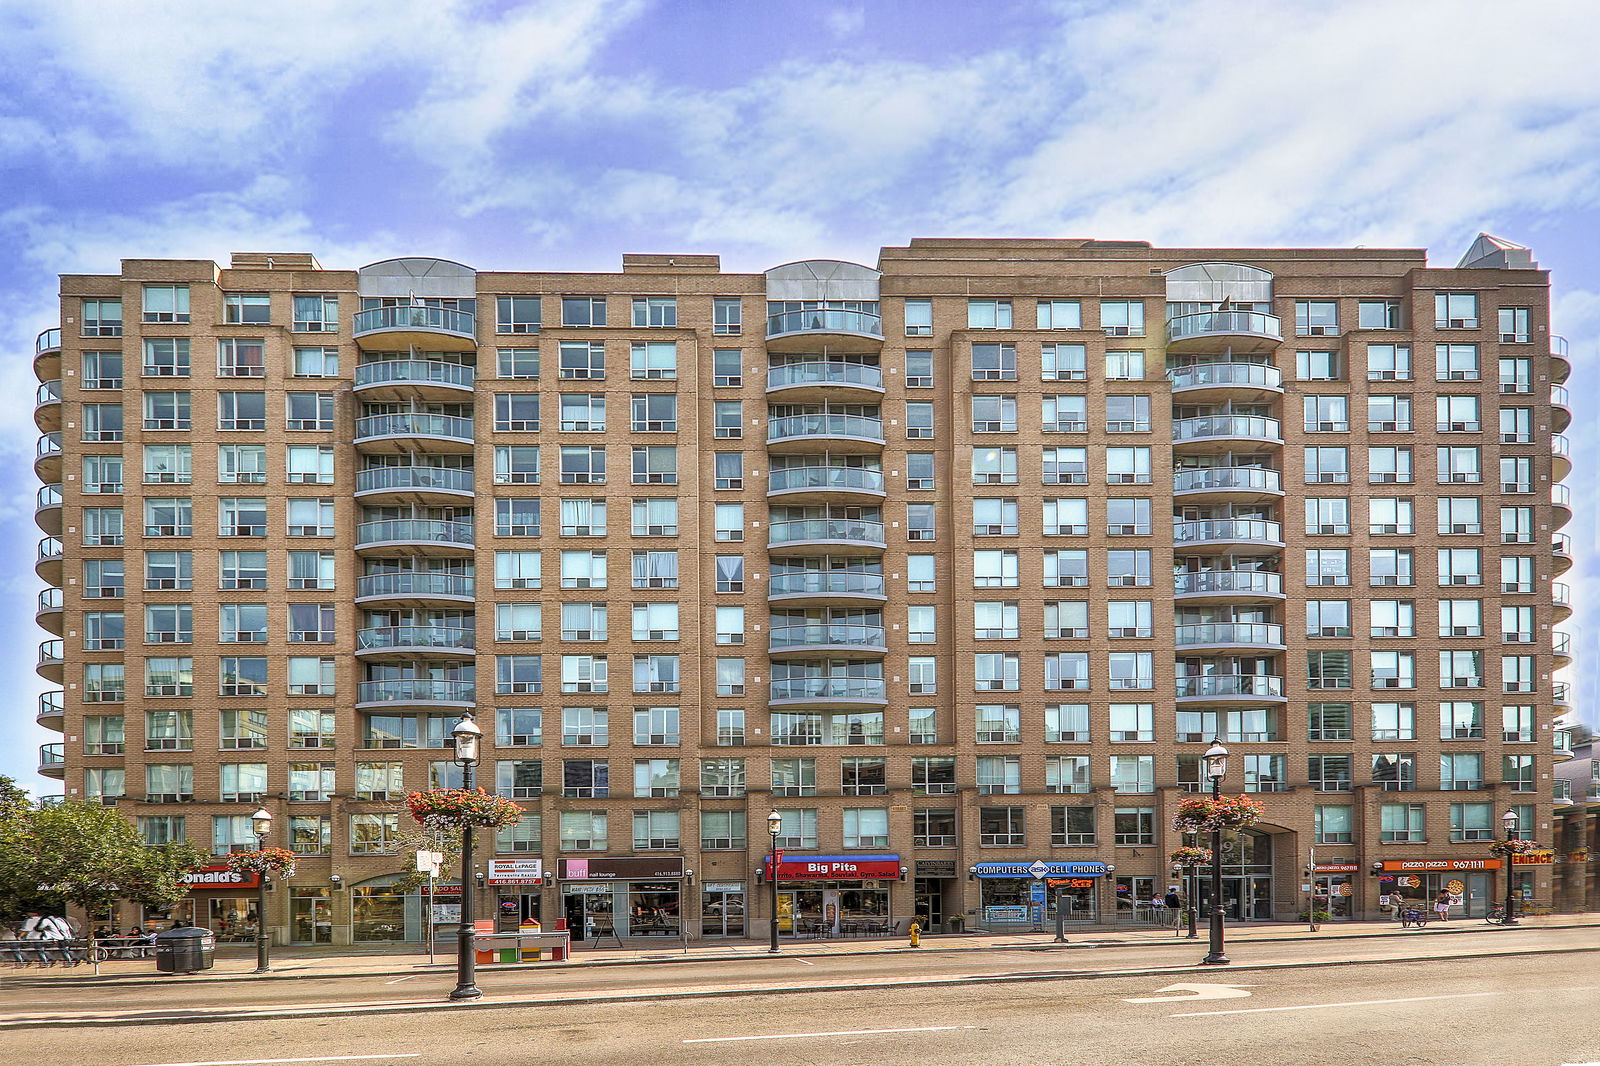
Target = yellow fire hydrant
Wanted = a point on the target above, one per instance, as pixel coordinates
(916, 935)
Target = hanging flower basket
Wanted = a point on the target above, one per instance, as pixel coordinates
(1206, 815)
(273, 862)
(457, 808)
(1512, 847)
(1187, 856)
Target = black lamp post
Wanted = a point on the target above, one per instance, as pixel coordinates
(261, 822)
(1509, 820)
(1216, 767)
(774, 823)
(466, 735)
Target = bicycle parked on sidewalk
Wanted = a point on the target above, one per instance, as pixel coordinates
(1496, 915)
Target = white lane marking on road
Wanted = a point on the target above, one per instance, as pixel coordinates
(804, 961)
(1322, 1006)
(319, 1058)
(840, 1032)
(1197, 991)
(397, 980)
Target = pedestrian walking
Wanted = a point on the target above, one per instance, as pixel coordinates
(1174, 904)
(1441, 905)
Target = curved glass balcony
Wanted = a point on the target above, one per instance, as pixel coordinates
(406, 378)
(1230, 584)
(1257, 534)
(415, 690)
(1225, 377)
(1561, 793)
(822, 637)
(415, 431)
(47, 457)
(52, 659)
(47, 564)
(50, 610)
(1560, 408)
(428, 328)
(827, 376)
(1561, 644)
(1560, 456)
(47, 509)
(414, 585)
(826, 533)
(417, 533)
(52, 709)
(832, 482)
(52, 760)
(1230, 687)
(1561, 552)
(1221, 331)
(825, 585)
(421, 639)
(1562, 743)
(843, 330)
(47, 406)
(1560, 359)
(797, 691)
(1235, 482)
(1231, 634)
(1561, 500)
(835, 431)
(1561, 694)
(1252, 428)
(47, 341)
(406, 483)
(47, 355)
(1561, 599)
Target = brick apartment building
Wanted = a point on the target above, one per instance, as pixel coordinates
(958, 563)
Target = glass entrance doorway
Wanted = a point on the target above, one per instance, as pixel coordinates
(929, 905)
(1335, 894)
(310, 916)
(722, 910)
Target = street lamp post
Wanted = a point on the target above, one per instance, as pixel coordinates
(1216, 766)
(261, 822)
(774, 823)
(1509, 820)
(466, 735)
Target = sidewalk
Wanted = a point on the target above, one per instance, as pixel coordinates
(235, 963)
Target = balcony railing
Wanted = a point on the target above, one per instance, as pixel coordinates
(1561, 643)
(49, 392)
(830, 689)
(799, 427)
(51, 705)
(788, 638)
(414, 372)
(1211, 427)
(1216, 478)
(1561, 593)
(50, 550)
(420, 478)
(1202, 375)
(51, 652)
(1215, 529)
(51, 755)
(1253, 633)
(51, 600)
(825, 320)
(416, 690)
(848, 478)
(414, 529)
(825, 372)
(1561, 692)
(415, 424)
(414, 583)
(47, 496)
(1562, 741)
(1232, 323)
(49, 444)
(1561, 792)
(449, 638)
(826, 583)
(1244, 582)
(1231, 685)
(432, 319)
(48, 341)
(848, 530)
(1561, 496)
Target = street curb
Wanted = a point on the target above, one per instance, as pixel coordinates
(928, 948)
(656, 995)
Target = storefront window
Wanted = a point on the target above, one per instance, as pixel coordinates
(233, 919)
(377, 915)
(653, 909)
(311, 916)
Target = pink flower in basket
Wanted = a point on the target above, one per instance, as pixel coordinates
(1199, 814)
(462, 807)
(1188, 856)
(274, 862)
(1512, 847)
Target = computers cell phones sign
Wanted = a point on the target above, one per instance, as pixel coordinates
(516, 871)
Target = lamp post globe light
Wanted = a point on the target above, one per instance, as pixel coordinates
(261, 822)
(774, 823)
(466, 735)
(1216, 768)
(1509, 821)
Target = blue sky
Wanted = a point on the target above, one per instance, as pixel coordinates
(559, 135)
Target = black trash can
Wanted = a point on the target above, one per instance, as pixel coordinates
(185, 949)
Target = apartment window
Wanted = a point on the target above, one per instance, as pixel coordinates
(166, 730)
(1065, 671)
(585, 778)
(1460, 618)
(655, 465)
(992, 569)
(166, 303)
(168, 570)
(1456, 362)
(1316, 318)
(723, 778)
(1066, 619)
(1329, 773)
(169, 356)
(237, 357)
(168, 517)
(517, 314)
(311, 623)
(1328, 670)
(919, 318)
(1066, 517)
(516, 517)
(101, 318)
(1127, 414)
(1393, 669)
(1327, 465)
(999, 775)
(104, 683)
(655, 517)
(1378, 314)
(1124, 568)
(933, 775)
(727, 418)
(994, 362)
(1472, 821)
(242, 570)
(920, 521)
(727, 367)
(246, 308)
(103, 526)
(316, 362)
(997, 672)
(242, 464)
(310, 728)
(242, 782)
(1066, 568)
(919, 421)
(1002, 827)
(1328, 618)
(1125, 366)
(1390, 566)
(1067, 773)
(581, 360)
(794, 777)
(518, 570)
(103, 578)
(241, 676)
(1389, 414)
(1067, 466)
(919, 369)
(656, 778)
(1326, 515)
(1516, 625)
(1327, 414)
(728, 470)
(1064, 362)
(106, 630)
(1516, 573)
(920, 469)
(921, 625)
(730, 625)
(1394, 721)
(991, 620)
(1455, 310)
(1329, 721)
(1388, 362)
(311, 675)
(653, 360)
(993, 466)
(1460, 719)
(798, 829)
(579, 465)
(651, 570)
(1460, 515)
(310, 782)
(1516, 473)
(1516, 376)
(1401, 823)
(169, 783)
(1517, 771)
(1516, 673)
(655, 311)
(1459, 465)
(999, 723)
(1389, 465)
(727, 316)
(106, 783)
(1393, 618)
(523, 621)
(1122, 318)
(1460, 566)
(994, 414)
(171, 410)
(1065, 414)
(309, 518)
(102, 422)
(1124, 466)
(1317, 366)
(730, 677)
(655, 621)
(1516, 425)
(1457, 414)
(1059, 314)
(309, 464)
(988, 314)
(235, 411)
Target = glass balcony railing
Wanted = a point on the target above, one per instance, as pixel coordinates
(1561, 496)
(1562, 740)
(848, 478)
(1214, 529)
(799, 427)
(825, 320)
(826, 583)
(50, 550)
(416, 690)
(1559, 445)
(788, 638)
(1224, 323)
(415, 583)
(49, 444)
(51, 705)
(49, 392)
(1220, 685)
(1230, 633)
(1561, 593)
(830, 689)
(825, 372)
(1221, 478)
(51, 600)
(1560, 358)
(1561, 793)
(1561, 692)
(414, 372)
(1205, 375)
(47, 496)
(1211, 427)
(1561, 643)
(414, 424)
(419, 478)
(48, 341)
(449, 638)
(51, 757)
(1244, 582)
(848, 530)
(428, 530)
(1561, 545)
(51, 652)
(429, 319)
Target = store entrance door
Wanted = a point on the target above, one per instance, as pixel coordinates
(929, 905)
(1335, 894)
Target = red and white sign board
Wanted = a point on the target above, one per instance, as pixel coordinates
(516, 871)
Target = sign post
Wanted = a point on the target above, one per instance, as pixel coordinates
(428, 862)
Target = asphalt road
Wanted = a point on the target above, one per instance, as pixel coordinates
(1527, 1011)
